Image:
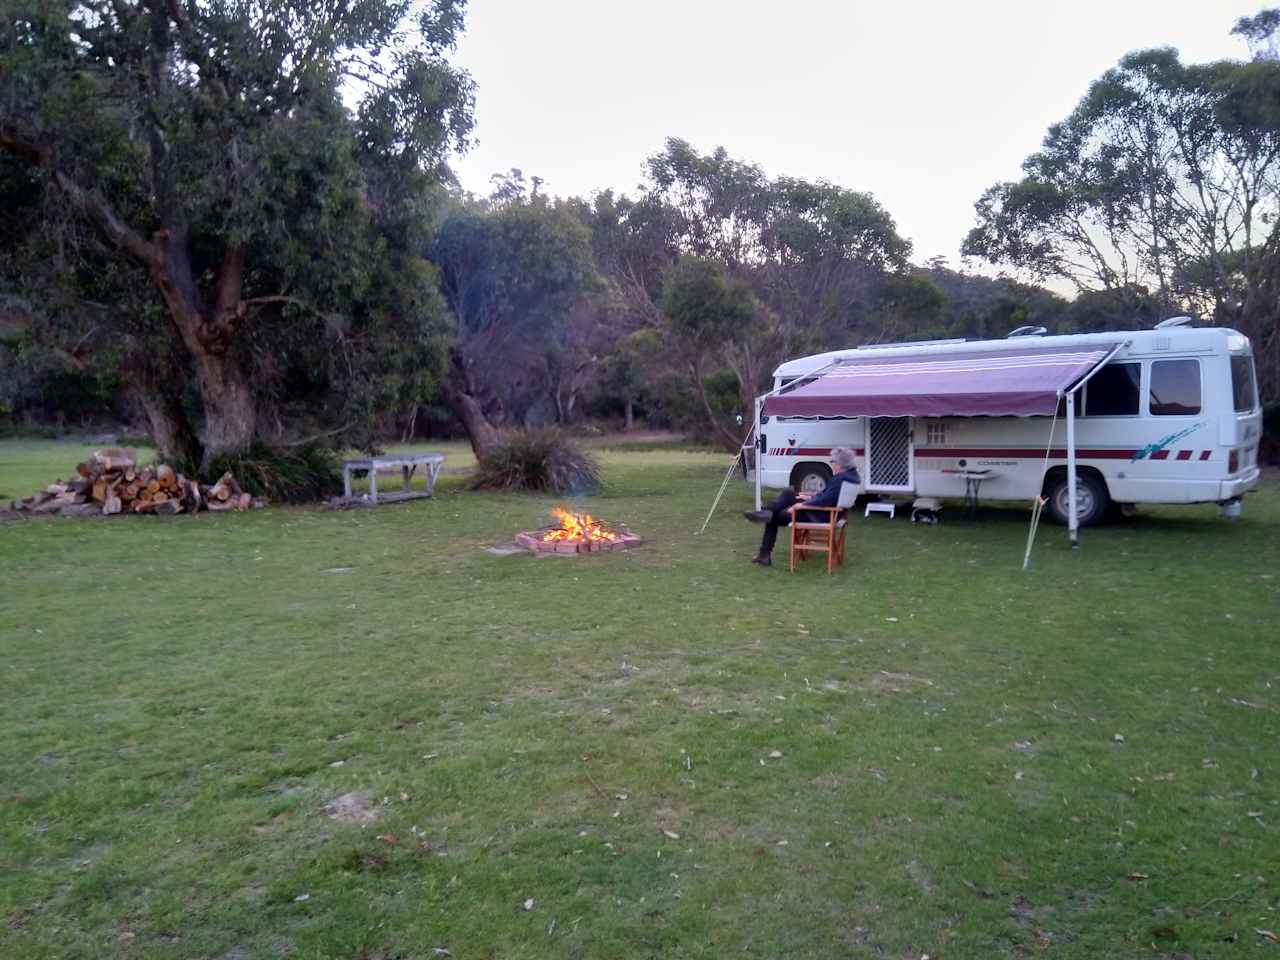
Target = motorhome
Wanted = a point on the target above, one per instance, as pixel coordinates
(1169, 415)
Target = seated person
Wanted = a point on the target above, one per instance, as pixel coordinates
(778, 513)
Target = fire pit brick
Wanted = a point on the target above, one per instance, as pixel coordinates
(535, 540)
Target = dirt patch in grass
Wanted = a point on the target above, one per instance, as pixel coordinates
(921, 876)
(356, 807)
(895, 681)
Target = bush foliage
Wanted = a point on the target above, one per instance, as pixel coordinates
(542, 460)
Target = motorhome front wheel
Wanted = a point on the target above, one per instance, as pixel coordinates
(1092, 500)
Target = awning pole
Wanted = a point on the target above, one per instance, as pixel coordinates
(1073, 521)
(759, 450)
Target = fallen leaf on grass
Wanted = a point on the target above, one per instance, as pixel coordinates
(1118, 738)
(1164, 933)
(1208, 764)
(775, 754)
(403, 796)
(891, 619)
(671, 834)
(530, 904)
(302, 898)
(1269, 935)
(1139, 876)
(388, 838)
(1164, 776)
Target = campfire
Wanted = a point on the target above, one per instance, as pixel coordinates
(576, 533)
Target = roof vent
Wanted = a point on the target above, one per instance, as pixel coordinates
(1026, 332)
(1174, 322)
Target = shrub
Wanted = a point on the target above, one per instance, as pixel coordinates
(542, 460)
(282, 474)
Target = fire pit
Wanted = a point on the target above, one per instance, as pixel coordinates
(576, 533)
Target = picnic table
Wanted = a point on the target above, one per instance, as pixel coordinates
(407, 463)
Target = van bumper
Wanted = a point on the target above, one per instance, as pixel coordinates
(1230, 489)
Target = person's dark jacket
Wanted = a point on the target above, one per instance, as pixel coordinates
(829, 496)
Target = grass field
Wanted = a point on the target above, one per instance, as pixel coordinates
(662, 752)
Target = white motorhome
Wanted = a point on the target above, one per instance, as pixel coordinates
(1169, 415)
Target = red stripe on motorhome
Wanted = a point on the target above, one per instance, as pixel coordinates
(1026, 453)
(1007, 453)
(813, 451)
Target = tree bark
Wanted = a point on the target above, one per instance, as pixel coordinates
(168, 426)
(629, 415)
(230, 408)
(460, 395)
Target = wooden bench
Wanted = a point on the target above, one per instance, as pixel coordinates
(406, 463)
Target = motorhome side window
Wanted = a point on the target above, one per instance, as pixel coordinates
(1114, 391)
(1175, 388)
(1243, 388)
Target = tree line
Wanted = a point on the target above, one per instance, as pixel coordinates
(240, 220)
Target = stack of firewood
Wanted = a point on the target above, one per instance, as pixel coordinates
(111, 482)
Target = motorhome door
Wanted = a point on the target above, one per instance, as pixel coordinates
(890, 459)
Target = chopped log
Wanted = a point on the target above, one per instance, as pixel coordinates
(153, 488)
(146, 475)
(165, 476)
(100, 490)
(168, 507)
(112, 505)
(57, 489)
(194, 499)
(115, 458)
(82, 485)
(244, 501)
(160, 497)
(218, 506)
(85, 470)
(130, 474)
(48, 506)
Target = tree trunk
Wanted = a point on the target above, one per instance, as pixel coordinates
(167, 422)
(411, 424)
(629, 415)
(230, 408)
(459, 394)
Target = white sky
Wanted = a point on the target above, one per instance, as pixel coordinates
(924, 104)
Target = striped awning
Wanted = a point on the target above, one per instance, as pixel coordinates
(1022, 381)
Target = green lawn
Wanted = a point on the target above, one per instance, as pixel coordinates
(570, 757)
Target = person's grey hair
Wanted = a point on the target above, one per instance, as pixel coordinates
(843, 457)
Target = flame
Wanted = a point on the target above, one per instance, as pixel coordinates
(577, 526)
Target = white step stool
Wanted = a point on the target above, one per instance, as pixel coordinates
(881, 506)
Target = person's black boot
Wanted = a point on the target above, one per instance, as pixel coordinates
(758, 516)
(764, 559)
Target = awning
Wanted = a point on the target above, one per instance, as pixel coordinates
(1015, 381)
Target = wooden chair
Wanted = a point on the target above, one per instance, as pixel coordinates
(825, 536)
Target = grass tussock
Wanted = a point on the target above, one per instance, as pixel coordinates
(543, 460)
(302, 474)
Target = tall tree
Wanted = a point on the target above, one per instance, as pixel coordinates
(207, 146)
(1163, 184)
(711, 319)
(513, 269)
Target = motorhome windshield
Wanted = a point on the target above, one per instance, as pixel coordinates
(1244, 389)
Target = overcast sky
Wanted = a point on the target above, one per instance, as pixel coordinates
(924, 104)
